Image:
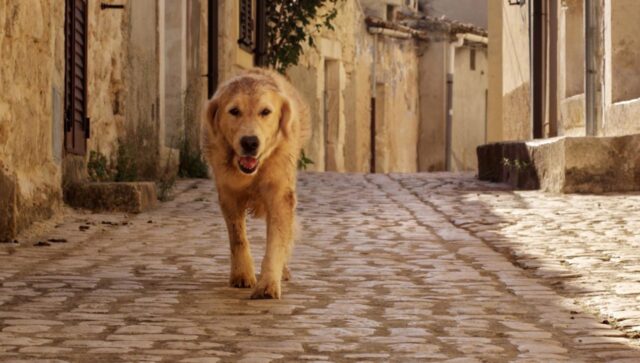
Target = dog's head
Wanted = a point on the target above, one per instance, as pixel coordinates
(251, 116)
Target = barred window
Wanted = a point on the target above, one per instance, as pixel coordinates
(246, 25)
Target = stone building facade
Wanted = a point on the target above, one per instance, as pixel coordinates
(377, 86)
(616, 65)
(137, 69)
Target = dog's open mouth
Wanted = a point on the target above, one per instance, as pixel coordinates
(248, 164)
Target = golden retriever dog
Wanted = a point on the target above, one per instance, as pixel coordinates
(253, 130)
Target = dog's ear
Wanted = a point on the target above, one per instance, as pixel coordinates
(286, 115)
(210, 117)
(209, 125)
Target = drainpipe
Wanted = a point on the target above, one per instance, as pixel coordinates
(451, 68)
(212, 47)
(538, 81)
(372, 163)
(552, 87)
(590, 29)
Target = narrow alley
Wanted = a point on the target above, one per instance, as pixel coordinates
(400, 267)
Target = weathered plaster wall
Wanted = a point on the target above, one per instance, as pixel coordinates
(469, 108)
(622, 109)
(432, 100)
(571, 120)
(572, 16)
(397, 132)
(625, 28)
(141, 138)
(516, 87)
(622, 118)
(571, 68)
(32, 79)
(622, 54)
(196, 92)
(107, 49)
(342, 139)
(342, 142)
(509, 86)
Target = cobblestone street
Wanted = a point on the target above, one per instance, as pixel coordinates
(403, 268)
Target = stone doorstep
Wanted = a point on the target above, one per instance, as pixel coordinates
(564, 164)
(129, 197)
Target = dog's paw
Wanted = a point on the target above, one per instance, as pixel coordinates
(286, 273)
(242, 280)
(267, 288)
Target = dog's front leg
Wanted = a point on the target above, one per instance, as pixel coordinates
(242, 272)
(280, 219)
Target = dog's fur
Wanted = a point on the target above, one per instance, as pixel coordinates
(237, 110)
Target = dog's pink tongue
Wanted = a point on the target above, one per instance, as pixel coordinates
(248, 162)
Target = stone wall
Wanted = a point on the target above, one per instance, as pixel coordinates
(106, 78)
(509, 91)
(341, 141)
(121, 99)
(32, 79)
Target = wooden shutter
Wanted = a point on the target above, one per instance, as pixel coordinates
(76, 123)
(246, 25)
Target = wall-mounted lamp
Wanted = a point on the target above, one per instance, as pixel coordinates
(517, 2)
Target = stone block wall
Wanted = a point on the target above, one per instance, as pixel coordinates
(352, 47)
(32, 79)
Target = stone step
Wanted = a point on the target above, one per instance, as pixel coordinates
(129, 197)
(564, 164)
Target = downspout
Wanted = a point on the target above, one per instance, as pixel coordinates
(539, 49)
(590, 28)
(372, 163)
(451, 68)
(552, 88)
(212, 47)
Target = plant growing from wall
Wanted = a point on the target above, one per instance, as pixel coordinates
(304, 161)
(98, 167)
(291, 23)
(126, 168)
(191, 163)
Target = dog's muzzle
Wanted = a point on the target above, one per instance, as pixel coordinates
(248, 164)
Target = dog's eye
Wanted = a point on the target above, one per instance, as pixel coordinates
(265, 112)
(234, 111)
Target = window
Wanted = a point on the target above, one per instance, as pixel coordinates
(246, 25)
(391, 13)
(472, 59)
(76, 123)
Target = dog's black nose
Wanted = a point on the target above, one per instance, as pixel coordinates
(250, 144)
